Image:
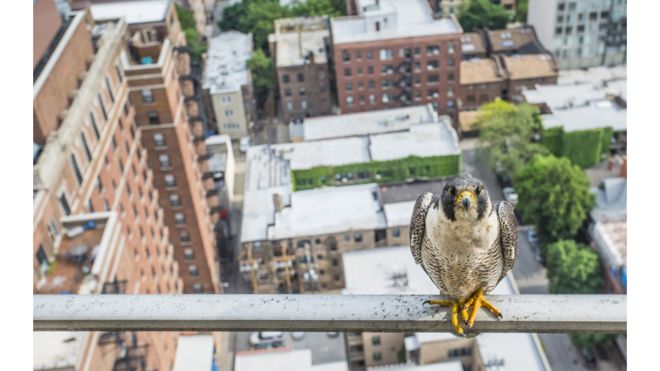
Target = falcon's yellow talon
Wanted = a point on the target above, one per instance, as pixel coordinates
(477, 300)
(454, 305)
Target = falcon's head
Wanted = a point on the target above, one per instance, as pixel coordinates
(464, 198)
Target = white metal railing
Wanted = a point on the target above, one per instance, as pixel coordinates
(377, 313)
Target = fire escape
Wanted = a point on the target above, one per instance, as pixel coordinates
(404, 83)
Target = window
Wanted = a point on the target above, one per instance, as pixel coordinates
(188, 253)
(372, 99)
(94, 126)
(450, 91)
(184, 236)
(450, 76)
(287, 92)
(42, 258)
(103, 111)
(301, 77)
(170, 180)
(192, 270)
(65, 204)
(377, 356)
(450, 61)
(346, 56)
(432, 50)
(302, 92)
(370, 54)
(349, 100)
(197, 288)
(303, 104)
(385, 98)
(433, 79)
(119, 75)
(396, 232)
(164, 160)
(159, 140)
(76, 169)
(432, 65)
(375, 340)
(109, 87)
(285, 78)
(385, 54)
(226, 99)
(450, 103)
(349, 86)
(358, 237)
(175, 200)
(450, 48)
(147, 96)
(88, 153)
(229, 112)
(152, 116)
(289, 106)
(347, 72)
(179, 218)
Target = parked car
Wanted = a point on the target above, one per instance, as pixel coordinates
(297, 335)
(504, 180)
(332, 334)
(265, 338)
(244, 144)
(510, 195)
(589, 357)
(532, 236)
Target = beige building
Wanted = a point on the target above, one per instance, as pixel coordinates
(228, 83)
(98, 227)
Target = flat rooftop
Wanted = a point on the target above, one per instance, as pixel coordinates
(593, 75)
(516, 39)
(331, 152)
(283, 359)
(373, 122)
(529, 66)
(329, 210)
(56, 350)
(392, 270)
(226, 65)
(611, 239)
(562, 96)
(399, 213)
(301, 41)
(472, 43)
(405, 18)
(425, 140)
(194, 353)
(134, 12)
(598, 114)
(442, 366)
(480, 71)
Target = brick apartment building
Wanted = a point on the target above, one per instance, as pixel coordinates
(97, 223)
(157, 70)
(393, 53)
(299, 47)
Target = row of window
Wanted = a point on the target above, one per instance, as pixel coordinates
(387, 98)
(388, 69)
(301, 77)
(388, 54)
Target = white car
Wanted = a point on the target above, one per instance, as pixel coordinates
(510, 195)
(244, 144)
(265, 338)
(297, 335)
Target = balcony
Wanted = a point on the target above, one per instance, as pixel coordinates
(372, 313)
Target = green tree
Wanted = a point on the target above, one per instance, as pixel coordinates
(185, 16)
(553, 195)
(506, 133)
(521, 11)
(232, 15)
(311, 8)
(263, 74)
(193, 39)
(573, 268)
(474, 14)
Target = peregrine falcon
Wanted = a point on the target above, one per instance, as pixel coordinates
(465, 243)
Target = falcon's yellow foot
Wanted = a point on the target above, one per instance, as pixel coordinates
(454, 305)
(477, 300)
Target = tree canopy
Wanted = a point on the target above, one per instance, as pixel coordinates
(573, 268)
(521, 10)
(193, 38)
(506, 133)
(473, 14)
(553, 195)
(263, 75)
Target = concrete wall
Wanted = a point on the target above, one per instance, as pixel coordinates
(230, 114)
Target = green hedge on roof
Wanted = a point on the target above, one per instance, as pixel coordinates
(584, 148)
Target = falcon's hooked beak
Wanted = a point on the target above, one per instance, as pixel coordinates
(465, 199)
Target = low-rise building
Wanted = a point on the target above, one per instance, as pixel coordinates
(228, 83)
(525, 71)
(482, 80)
(473, 46)
(299, 47)
(392, 270)
(283, 359)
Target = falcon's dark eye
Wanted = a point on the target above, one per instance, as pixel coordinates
(452, 191)
(477, 190)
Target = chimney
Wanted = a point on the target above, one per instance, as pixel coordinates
(278, 202)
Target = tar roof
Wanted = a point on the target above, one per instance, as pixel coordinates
(226, 66)
(392, 270)
(480, 71)
(511, 39)
(300, 41)
(472, 43)
(406, 18)
(530, 66)
(329, 210)
(135, 12)
(371, 122)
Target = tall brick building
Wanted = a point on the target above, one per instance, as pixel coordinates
(97, 224)
(158, 76)
(393, 53)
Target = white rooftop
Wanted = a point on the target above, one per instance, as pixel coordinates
(294, 47)
(194, 353)
(226, 65)
(561, 96)
(329, 210)
(425, 140)
(592, 75)
(283, 360)
(611, 241)
(442, 366)
(396, 19)
(373, 122)
(392, 270)
(398, 214)
(305, 155)
(134, 12)
(611, 200)
(598, 114)
(55, 350)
